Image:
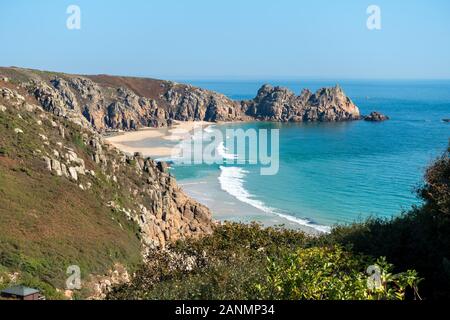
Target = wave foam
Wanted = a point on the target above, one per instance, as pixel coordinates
(232, 181)
(223, 152)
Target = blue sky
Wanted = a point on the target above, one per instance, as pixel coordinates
(238, 39)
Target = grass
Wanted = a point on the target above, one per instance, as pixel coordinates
(46, 222)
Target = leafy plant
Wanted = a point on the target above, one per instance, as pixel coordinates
(330, 273)
(250, 262)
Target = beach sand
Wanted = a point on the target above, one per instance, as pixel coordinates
(151, 141)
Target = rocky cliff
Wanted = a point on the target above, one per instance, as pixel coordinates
(107, 102)
(165, 212)
(68, 197)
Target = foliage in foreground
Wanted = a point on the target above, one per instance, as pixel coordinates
(330, 273)
(250, 262)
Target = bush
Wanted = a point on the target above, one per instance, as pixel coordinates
(436, 191)
(240, 262)
(333, 274)
(224, 265)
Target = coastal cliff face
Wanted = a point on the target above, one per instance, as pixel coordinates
(68, 197)
(162, 211)
(111, 103)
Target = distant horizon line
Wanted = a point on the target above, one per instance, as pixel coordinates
(300, 79)
(239, 78)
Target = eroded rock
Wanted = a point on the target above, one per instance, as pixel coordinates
(376, 117)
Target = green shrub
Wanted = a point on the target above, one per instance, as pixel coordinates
(77, 140)
(323, 273)
(240, 262)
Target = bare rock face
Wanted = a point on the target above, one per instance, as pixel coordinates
(376, 117)
(102, 108)
(188, 103)
(66, 95)
(169, 214)
(49, 98)
(281, 104)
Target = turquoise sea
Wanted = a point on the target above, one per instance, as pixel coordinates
(331, 173)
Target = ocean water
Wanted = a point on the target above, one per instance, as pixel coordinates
(330, 173)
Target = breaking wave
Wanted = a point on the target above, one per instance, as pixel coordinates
(231, 180)
(223, 152)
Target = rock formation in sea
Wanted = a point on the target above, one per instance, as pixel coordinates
(281, 104)
(376, 117)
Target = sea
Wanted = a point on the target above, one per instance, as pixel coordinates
(329, 173)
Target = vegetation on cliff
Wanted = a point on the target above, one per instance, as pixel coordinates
(250, 262)
(67, 198)
(418, 239)
(47, 222)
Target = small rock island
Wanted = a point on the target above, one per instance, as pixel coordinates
(376, 117)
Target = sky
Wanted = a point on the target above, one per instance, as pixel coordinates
(230, 39)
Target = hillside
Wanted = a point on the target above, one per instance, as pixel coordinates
(68, 198)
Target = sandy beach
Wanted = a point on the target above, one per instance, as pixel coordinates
(155, 142)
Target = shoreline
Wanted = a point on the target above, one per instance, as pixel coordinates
(166, 138)
(226, 207)
(161, 143)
